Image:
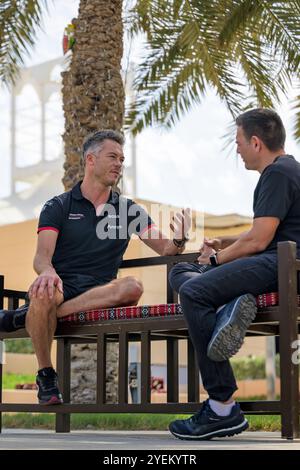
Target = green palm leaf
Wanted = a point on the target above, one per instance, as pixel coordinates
(18, 22)
(297, 117)
(247, 51)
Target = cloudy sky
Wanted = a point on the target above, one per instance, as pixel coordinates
(186, 166)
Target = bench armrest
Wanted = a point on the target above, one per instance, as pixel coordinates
(169, 261)
(159, 260)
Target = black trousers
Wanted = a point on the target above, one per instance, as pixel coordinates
(202, 293)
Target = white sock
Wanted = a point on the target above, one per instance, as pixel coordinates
(220, 408)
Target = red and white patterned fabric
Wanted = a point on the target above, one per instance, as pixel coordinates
(267, 300)
(122, 313)
(270, 300)
(145, 311)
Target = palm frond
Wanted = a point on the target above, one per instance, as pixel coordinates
(166, 104)
(247, 51)
(19, 20)
(277, 24)
(237, 16)
(297, 118)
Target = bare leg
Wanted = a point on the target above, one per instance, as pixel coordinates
(52, 323)
(119, 292)
(40, 325)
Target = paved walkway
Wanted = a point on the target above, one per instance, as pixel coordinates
(135, 440)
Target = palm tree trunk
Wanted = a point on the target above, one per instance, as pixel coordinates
(93, 93)
(93, 99)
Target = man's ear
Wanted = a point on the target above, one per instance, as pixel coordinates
(256, 142)
(88, 159)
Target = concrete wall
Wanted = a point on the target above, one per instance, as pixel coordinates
(17, 248)
(15, 363)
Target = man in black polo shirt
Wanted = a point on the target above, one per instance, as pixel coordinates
(82, 236)
(238, 268)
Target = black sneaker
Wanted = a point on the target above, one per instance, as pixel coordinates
(47, 383)
(206, 424)
(232, 323)
(12, 320)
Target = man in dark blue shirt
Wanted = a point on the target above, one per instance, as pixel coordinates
(82, 236)
(238, 268)
(90, 241)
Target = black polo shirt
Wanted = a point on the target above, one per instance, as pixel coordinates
(88, 244)
(277, 194)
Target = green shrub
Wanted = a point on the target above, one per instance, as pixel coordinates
(11, 380)
(252, 367)
(23, 346)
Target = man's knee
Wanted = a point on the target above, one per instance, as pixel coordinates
(191, 291)
(184, 292)
(135, 287)
(178, 269)
(46, 304)
(132, 291)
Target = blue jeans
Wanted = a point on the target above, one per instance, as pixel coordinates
(201, 295)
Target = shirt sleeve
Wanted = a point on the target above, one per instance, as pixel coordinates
(51, 216)
(275, 197)
(139, 220)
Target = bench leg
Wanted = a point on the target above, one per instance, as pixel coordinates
(1, 345)
(145, 367)
(192, 374)
(289, 384)
(1, 372)
(288, 329)
(101, 369)
(172, 371)
(62, 421)
(123, 368)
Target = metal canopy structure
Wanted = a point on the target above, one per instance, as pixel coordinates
(34, 125)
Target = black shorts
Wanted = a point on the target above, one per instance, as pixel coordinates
(76, 284)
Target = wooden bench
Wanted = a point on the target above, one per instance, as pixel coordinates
(282, 320)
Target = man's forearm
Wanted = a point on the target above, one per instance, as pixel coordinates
(229, 240)
(41, 264)
(244, 246)
(170, 248)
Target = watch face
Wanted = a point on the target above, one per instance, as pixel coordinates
(213, 260)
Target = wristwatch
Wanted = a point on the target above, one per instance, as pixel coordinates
(179, 243)
(214, 259)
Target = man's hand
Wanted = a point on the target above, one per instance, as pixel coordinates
(181, 224)
(215, 243)
(45, 284)
(206, 251)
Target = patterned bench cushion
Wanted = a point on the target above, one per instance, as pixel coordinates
(145, 311)
(122, 313)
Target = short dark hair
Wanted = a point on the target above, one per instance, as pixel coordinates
(97, 138)
(265, 124)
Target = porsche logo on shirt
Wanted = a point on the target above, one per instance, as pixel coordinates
(73, 216)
